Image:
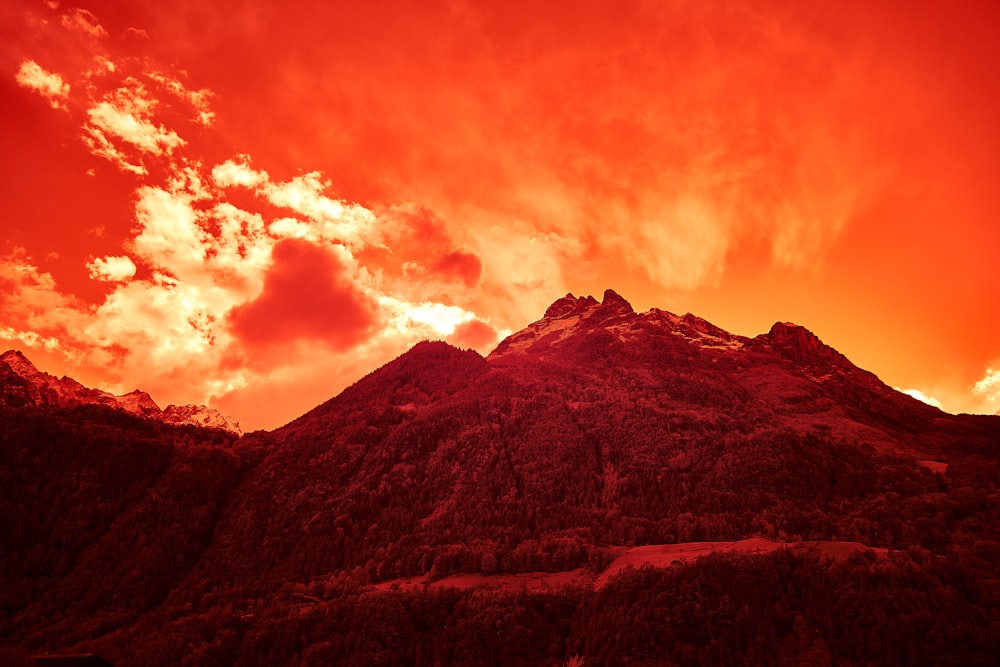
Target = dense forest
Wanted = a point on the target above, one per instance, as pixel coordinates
(160, 544)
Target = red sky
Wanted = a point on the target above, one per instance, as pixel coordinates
(253, 204)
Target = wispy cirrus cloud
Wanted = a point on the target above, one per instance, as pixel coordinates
(83, 21)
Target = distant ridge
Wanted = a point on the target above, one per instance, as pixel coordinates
(22, 384)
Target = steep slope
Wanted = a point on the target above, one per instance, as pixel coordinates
(591, 428)
(594, 430)
(21, 384)
(103, 513)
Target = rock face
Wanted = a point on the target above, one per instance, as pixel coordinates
(801, 345)
(22, 385)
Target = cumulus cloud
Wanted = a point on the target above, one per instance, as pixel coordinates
(233, 286)
(333, 220)
(170, 236)
(989, 386)
(29, 338)
(432, 319)
(237, 172)
(214, 301)
(309, 293)
(113, 269)
(330, 219)
(47, 84)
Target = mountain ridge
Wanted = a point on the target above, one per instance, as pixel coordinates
(594, 433)
(567, 316)
(22, 384)
(802, 352)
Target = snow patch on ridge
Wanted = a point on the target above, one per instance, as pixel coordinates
(43, 389)
(570, 315)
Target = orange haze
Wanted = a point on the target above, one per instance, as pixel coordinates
(252, 204)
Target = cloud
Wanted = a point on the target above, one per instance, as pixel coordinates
(170, 236)
(83, 21)
(989, 386)
(460, 265)
(332, 220)
(474, 334)
(416, 253)
(236, 301)
(922, 397)
(49, 85)
(428, 319)
(200, 100)
(30, 300)
(114, 269)
(683, 245)
(126, 114)
(309, 293)
(233, 285)
(237, 172)
(102, 146)
(120, 128)
(523, 270)
(329, 219)
(161, 324)
(29, 338)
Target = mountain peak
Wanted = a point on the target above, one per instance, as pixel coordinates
(139, 403)
(568, 306)
(614, 303)
(19, 363)
(797, 343)
(22, 384)
(199, 415)
(613, 298)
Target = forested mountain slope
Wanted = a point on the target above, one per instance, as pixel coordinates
(591, 430)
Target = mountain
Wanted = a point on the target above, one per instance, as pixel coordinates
(455, 509)
(21, 384)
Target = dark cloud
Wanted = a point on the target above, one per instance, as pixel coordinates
(307, 295)
(420, 249)
(459, 265)
(474, 334)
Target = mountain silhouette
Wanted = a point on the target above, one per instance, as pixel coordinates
(454, 509)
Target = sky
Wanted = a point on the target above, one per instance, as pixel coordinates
(253, 204)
